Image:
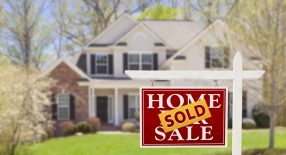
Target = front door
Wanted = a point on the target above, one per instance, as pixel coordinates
(102, 108)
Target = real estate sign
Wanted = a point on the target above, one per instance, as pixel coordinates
(183, 117)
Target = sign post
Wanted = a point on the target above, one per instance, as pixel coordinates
(237, 75)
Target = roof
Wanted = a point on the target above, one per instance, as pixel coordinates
(175, 33)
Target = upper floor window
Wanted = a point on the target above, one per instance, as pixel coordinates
(216, 57)
(101, 64)
(138, 61)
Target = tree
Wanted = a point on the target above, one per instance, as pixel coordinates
(208, 10)
(25, 32)
(78, 22)
(23, 97)
(159, 12)
(262, 25)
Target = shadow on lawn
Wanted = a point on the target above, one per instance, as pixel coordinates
(260, 152)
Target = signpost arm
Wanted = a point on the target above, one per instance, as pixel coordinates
(237, 105)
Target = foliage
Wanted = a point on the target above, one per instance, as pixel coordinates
(248, 124)
(261, 25)
(84, 127)
(23, 97)
(50, 131)
(67, 128)
(94, 123)
(128, 126)
(260, 113)
(159, 12)
(24, 39)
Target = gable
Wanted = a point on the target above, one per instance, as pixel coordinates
(210, 36)
(114, 31)
(61, 66)
(217, 34)
(141, 38)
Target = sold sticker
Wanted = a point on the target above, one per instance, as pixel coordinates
(185, 115)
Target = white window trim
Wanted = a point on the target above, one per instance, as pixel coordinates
(136, 104)
(140, 63)
(63, 106)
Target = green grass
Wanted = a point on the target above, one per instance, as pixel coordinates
(128, 144)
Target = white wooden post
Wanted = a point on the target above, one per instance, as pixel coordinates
(116, 116)
(237, 75)
(93, 103)
(237, 105)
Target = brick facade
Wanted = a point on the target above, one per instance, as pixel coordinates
(66, 81)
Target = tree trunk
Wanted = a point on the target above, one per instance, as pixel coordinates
(272, 126)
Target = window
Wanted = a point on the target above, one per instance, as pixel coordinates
(101, 64)
(147, 62)
(133, 106)
(63, 106)
(217, 57)
(140, 61)
(133, 61)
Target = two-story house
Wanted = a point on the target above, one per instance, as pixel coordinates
(93, 83)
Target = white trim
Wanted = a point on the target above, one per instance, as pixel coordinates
(142, 25)
(112, 25)
(72, 66)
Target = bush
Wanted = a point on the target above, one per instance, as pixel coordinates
(84, 127)
(94, 123)
(260, 113)
(128, 126)
(230, 123)
(67, 128)
(49, 131)
(248, 124)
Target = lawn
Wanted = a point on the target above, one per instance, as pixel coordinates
(128, 144)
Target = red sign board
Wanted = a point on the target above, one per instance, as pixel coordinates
(183, 117)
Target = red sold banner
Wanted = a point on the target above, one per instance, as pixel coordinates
(183, 117)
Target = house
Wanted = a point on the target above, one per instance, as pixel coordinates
(93, 83)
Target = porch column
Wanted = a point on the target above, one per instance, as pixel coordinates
(116, 106)
(89, 102)
(93, 110)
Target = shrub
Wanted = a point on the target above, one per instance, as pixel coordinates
(248, 124)
(49, 131)
(137, 116)
(230, 123)
(260, 113)
(94, 123)
(67, 128)
(84, 127)
(128, 126)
